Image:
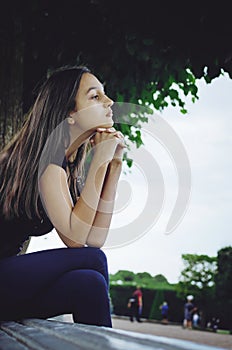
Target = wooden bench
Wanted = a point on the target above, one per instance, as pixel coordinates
(39, 334)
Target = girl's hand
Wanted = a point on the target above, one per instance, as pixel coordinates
(105, 142)
(120, 147)
(118, 137)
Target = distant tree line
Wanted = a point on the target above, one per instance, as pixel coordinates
(208, 279)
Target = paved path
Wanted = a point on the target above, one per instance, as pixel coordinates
(172, 331)
(208, 338)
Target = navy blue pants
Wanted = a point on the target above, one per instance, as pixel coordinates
(55, 282)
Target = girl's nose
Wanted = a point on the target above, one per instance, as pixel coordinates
(108, 102)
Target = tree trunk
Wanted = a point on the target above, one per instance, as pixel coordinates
(11, 77)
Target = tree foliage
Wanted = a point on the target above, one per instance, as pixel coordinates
(223, 277)
(123, 275)
(155, 312)
(223, 285)
(142, 279)
(198, 275)
(143, 275)
(147, 56)
(160, 279)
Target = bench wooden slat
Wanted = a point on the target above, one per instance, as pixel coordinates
(103, 338)
(90, 337)
(9, 343)
(36, 334)
(35, 338)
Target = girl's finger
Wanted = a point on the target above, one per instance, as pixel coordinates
(101, 129)
(111, 130)
(119, 135)
(121, 139)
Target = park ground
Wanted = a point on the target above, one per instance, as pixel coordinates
(174, 331)
(218, 339)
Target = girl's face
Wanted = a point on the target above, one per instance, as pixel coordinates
(93, 107)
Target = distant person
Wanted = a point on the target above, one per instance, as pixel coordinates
(189, 309)
(164, 312)
(195, 319)
(135, 305)
(213, 324)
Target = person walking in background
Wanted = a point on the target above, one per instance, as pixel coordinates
(195, 319)
(135, 305)
(189, 309)
(43, 187)
(164, 312)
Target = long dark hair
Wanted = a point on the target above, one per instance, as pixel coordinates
(20, 159)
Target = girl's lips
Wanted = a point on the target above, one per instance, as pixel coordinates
(109, 114)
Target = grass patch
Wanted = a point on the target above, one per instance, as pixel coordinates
(223, 331)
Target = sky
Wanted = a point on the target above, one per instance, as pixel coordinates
(205, 226)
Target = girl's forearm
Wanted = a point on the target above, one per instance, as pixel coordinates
(103, 217)
(84, 211)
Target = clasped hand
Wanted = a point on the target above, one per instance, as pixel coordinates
(111, 142)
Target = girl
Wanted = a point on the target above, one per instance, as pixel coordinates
(41, 186)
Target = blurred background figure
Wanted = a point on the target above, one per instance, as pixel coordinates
(164, 312)
(135, 305)
(189, 309)
(195, 319)
(213, 324)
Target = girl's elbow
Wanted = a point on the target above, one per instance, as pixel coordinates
(71, 243)
(75, 245)
(95, 243)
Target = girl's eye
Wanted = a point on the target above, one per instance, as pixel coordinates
(95, 97)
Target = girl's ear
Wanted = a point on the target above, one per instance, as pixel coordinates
(70, 120)
(71, 117)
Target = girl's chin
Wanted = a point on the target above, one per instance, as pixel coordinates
(103, 125)
(107, 125)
